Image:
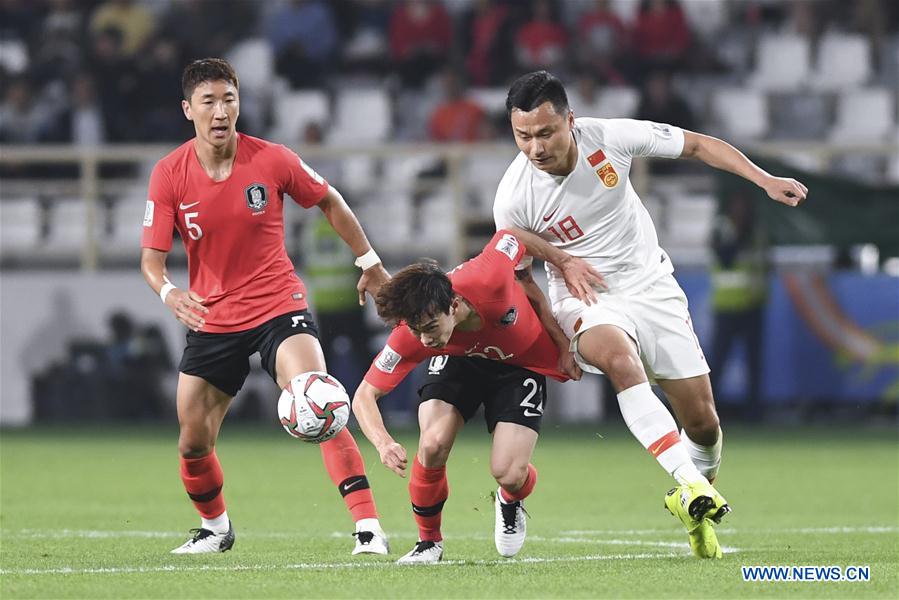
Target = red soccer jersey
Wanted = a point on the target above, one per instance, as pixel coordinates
(511, 330)
(233, 230)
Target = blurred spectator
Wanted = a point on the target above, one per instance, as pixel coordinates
(739, 294)
(542, 42)
(135, 23)
(487, 33)
(660, 103)
(366, 50)
(160, 92)
(82, 123)
(457, 118)
(209, 27)
(24, 119)
(602, 41)
(421, 36)
(304, 38)
(331, 276)
(115, 77)
(19, 20)
(661, 36)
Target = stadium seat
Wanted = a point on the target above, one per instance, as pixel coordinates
(20, 226)
(126, 219)
(801, 115)
(742, 113)
(253, 59)
(361, 116)
(294, 110)
(493, 100)
(782, 63)
(68, 228)
(864, 115)
(844, 62)
(611, 103)
(690, 218)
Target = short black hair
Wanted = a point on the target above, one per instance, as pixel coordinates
(417, 292)
(533, 89)
(206, 69)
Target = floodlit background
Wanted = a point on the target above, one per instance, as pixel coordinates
(400, 105)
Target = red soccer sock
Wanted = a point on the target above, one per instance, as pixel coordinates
(343, 462)
(203, 480)
(428, 489)
(525, 490)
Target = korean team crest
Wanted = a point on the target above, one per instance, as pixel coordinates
(257, 197)
(604, 169)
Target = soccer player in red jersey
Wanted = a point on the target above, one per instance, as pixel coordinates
(224, 193)
(491, 340)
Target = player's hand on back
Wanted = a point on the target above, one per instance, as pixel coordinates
(371, 281)
(188, 307)
(568, 365)
(785, 190)
(581, 279)
(393, 456)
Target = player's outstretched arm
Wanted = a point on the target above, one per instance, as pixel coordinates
(347, 226)
(580, 277)
(721, 155)
(186, 305)
(365, 407)
(538, 300)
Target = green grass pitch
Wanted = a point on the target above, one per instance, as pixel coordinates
(93, 513)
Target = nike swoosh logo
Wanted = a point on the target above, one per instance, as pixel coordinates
(529, 413)
(549, 216)
(654, 450)
(351, 485)
(184, 206)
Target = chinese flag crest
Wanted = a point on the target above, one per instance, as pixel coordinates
(604, 169)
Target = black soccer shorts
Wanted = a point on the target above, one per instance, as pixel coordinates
(223, 359)
(510, 394)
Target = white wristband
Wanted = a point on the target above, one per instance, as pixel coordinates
(166, 288)
(368, 260)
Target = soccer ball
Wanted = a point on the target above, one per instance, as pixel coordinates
(314, 407)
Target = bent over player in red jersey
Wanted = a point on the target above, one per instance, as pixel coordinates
(224, 192)
(488, 345)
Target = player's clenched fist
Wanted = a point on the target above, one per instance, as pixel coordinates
(393, 456)
(188, 307)
(786, 191)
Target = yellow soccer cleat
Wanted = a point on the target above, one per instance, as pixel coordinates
(697, 505)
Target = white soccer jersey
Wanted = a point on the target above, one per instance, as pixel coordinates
(593, 212)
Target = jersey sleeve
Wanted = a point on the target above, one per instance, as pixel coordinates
(646, 138)
(507, 213)
(159, 215)
(301, 182)
(395, 360)
(504, 246)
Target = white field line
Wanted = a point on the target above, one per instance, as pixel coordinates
(802, 530)
(344, 565)
(570, 533)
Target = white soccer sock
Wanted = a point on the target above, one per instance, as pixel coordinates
(654, 427)
(220, 524)
(706, 458)
(369, 525)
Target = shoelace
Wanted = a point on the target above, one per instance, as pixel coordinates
(510, 512)
(199, 534)
(364, 537)
(422, 546)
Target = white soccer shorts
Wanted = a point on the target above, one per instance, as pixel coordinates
(656, 318)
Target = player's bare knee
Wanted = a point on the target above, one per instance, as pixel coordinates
(624, 370)
(704, 429)
(434, 448)
(511, 476)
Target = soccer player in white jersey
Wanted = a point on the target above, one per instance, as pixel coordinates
(569, 198)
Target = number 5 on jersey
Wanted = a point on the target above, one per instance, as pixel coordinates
(193, 228)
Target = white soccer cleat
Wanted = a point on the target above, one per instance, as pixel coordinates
(423, 553)
(371, 542)
(205, 541)
(510, 528)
